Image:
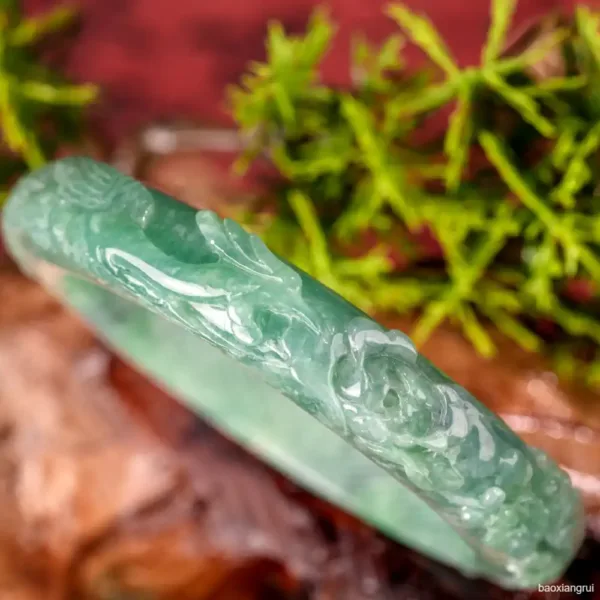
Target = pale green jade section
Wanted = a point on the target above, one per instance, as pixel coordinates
(237, 400)
(236, 333)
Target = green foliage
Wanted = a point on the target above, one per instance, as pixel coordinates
(38, 109)
(510, 192)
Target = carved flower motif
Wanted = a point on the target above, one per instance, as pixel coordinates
(375, 379)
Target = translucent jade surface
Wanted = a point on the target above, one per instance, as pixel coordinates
(340, 404)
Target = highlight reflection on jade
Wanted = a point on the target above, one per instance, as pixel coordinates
(367, 384)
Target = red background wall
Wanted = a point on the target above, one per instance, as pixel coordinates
(159, 58)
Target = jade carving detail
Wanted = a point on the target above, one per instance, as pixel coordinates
(366, 383)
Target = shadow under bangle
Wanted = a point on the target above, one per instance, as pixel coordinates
(209, 313)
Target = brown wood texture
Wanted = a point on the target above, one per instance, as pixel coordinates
(110, 489)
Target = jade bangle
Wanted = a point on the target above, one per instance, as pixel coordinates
(208, 312)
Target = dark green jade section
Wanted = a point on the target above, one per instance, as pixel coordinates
(342, 405)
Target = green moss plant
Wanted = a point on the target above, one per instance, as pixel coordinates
(510, 190)
(39, 109)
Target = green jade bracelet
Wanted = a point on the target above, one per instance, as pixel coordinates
(209, 313)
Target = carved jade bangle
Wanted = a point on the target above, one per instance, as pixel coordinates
(213, 316)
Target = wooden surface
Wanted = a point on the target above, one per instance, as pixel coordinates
(110, 489)
(107, 486)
